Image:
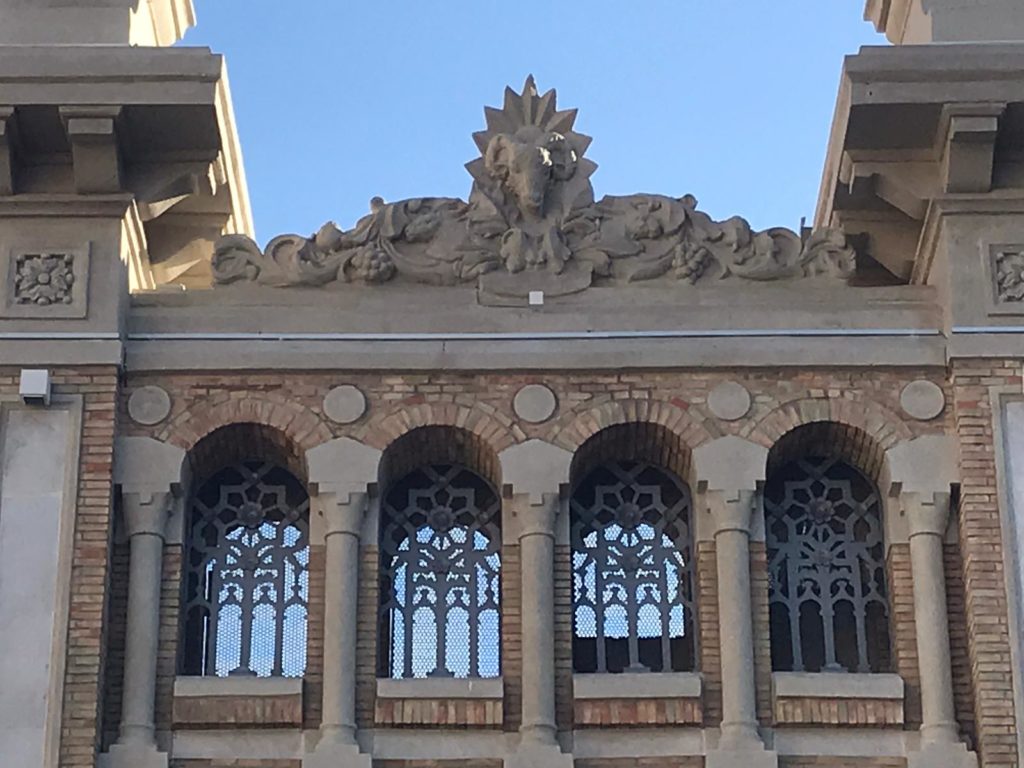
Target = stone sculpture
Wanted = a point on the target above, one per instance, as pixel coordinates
(531, 223)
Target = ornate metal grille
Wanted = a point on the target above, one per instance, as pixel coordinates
(440, 579)
(632, 587)
(826, 561)
(247, 581)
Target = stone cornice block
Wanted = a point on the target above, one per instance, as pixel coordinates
(95, 22)
(914, 22)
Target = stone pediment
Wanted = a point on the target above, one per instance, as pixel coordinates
(532, 224)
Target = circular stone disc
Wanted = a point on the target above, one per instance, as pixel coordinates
(922, 400)
(344, 404)
(535, 403)
(729, 401)
(149, 405)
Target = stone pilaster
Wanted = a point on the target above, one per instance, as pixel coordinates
(729, 473)
(149, 473)
(927, 519)
(341, 474)
(535, 473)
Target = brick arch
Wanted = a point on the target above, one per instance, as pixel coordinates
(493, 429)
(298, 424)
(584, 424)
(876, 421)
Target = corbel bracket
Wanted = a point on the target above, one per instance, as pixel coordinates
(92, 132)
(968, 133)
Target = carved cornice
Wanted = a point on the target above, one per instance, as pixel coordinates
(531, 223)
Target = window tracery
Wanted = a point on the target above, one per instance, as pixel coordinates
(826, 561)
(633, 599)
(440, 575)
(247, 574)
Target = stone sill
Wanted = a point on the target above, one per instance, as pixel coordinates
(441, 688)
(234, 702)
(642, 685)
(837, 685)
(189, 687)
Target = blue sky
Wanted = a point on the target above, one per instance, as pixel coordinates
(339, 101)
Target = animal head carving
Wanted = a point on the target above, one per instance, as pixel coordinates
(528, 163)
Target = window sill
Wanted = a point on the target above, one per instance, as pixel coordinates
(441, 688)
(837, 685)
(838, 699)
(234, 702)
(643, 685)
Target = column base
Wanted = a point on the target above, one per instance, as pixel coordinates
(538, 755)
(332, 754)
(133, 756)
(942, 756)
(754, 756)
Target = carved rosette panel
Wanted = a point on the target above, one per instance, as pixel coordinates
(1008, 274)
(531, 223)
(45, 282)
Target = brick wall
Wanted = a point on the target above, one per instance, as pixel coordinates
(980, 531)
(903, 630)
(481, 404)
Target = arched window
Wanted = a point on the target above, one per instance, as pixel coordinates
(631, 558)
(440, 575)
(826, 561)
(247, 578)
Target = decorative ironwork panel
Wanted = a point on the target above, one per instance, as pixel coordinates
(826, 560)
(632, 571)
(247, 581)
(440, 566)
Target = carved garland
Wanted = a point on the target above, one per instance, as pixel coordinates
(532, 223)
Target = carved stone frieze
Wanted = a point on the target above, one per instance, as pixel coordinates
(44, 283)
(1009, 275)
(531, 223)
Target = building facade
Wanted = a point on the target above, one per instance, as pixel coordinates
(529, 478)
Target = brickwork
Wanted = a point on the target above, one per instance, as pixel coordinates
(963, 689)
(625, 713)
(903, 630)
(83, 722)
(213, 712)
(563, 638)
(846, 713)
(116, 625)
(313, 682)
(170, 629)
(761, 630)
(866, 402)
(980, 532)
(366, 636)
(439, 713)
(709, 657)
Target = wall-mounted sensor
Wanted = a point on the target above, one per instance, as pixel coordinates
(34, 386)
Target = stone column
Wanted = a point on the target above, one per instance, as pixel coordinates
(732, 512)
(146, 516)
(729, 471)
(343, 516)
(537, 557)
(341, 473)
(927, 519)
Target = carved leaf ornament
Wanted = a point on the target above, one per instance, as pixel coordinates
(532, 223)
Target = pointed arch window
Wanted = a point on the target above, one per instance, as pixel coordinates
(826, 559)
(247, 574)
(633, 605)
(440, 575)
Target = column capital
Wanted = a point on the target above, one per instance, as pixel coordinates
(732, 510)
(728, 463)
(926, 513)
(536, 517)
(147, 512)
(535, 468)
(344, 512)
